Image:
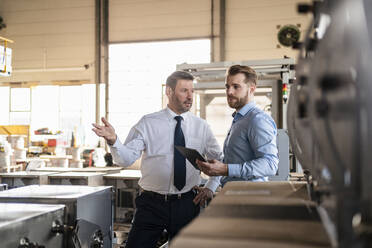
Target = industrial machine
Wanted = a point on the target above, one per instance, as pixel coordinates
(87, 220)
(273, 77)
(30, 225)
(330, 117)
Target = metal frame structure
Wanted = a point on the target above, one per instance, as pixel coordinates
(271, 73)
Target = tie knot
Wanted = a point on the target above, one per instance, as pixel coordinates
(178, 118)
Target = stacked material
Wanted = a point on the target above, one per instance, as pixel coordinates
(18, 144)
(5, 153)
(17, 141)
(75, 161)
(247, 214)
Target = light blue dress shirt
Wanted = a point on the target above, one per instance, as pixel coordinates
(250, 147)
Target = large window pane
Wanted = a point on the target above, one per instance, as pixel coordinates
(4, 105)
(45, 107)
(137, 72)
(20, 99)
(71, 98)
(19, 118)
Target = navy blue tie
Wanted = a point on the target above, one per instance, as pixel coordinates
(179, 160)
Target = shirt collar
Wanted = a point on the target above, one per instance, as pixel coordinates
(243, 111)
(171, 114)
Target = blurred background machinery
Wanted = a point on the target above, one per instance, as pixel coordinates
(330, 117)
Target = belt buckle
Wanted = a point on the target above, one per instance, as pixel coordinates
(166, 197)
(179, 196)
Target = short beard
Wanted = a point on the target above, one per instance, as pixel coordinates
(180, 107)
(239, 103)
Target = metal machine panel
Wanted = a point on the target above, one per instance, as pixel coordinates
(93, 204)
(282, 141)
(126, 188)
(30, 223)
(3, 186)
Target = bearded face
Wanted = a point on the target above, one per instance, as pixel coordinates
(238, 92)
(181, 98)
(237, 102)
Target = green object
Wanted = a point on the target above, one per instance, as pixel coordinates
(288, 35)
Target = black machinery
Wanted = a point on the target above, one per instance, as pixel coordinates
(330, 117)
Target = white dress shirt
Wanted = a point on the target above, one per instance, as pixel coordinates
(154, 136)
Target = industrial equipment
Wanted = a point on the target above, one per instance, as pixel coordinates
(288, 35)
(330, 117)
(272, 74)
(88, 216)
(125, 184)
(257, 214)
(30, 225)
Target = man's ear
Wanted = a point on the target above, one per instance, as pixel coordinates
(168, 91)
(252, 88)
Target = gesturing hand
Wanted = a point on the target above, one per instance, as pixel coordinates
(106, 131)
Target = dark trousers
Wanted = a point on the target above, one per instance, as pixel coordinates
(155, 213)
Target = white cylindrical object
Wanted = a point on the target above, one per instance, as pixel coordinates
(75, 152)
(99, 157)
(5, 153)
(20, 154)
(17, 141)
(4, 160)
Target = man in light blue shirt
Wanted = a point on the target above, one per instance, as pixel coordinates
(250, 151)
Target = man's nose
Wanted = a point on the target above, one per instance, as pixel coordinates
(190, 94)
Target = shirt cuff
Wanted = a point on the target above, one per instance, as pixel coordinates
(117, 143)
(213, 184)
(234, 170)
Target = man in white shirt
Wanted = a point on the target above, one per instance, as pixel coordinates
(169, 182)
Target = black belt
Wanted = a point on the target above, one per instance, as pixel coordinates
(169, 197)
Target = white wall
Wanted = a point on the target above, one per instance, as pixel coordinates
(49, 34)
(132, 20)
(251, 28)
(60, 33)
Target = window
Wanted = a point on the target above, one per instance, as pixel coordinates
(137, 72)
(58, 108)
(20, 106)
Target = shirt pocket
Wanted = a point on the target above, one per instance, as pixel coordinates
(195, 143)
(159, 145)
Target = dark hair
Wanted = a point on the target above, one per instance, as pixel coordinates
(250, 74)
(177, 75)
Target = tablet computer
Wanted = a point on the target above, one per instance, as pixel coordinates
(191, 155)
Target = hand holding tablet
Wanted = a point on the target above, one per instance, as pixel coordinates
(191, 155)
